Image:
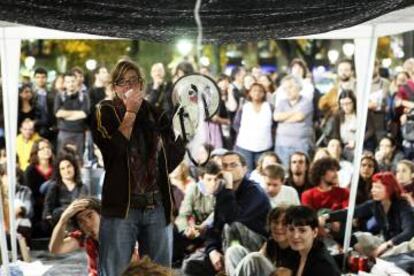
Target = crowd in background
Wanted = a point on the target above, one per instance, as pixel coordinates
(286, 141)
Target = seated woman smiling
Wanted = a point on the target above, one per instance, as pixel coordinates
(302, 231)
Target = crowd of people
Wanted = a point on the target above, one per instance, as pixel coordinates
(272, 196)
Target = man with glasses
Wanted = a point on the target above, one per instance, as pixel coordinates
(239, 216)
(139, 151)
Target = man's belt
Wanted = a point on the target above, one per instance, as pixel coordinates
(145, 200)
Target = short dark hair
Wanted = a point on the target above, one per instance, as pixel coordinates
(222, 77)
(40, 71)
(93, 204)
(274, 171)
(69, 74)
(242, 159)
(320, 167)
(186, 67)
(301, 63)
(260, 161)
(235, 71)
(389, 138)
(346, 60)
(275, 214)
(98, 68)
(77, 69)
(302, 216)
(210, 168)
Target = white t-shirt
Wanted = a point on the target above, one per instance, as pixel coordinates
(286, 196)
(255, 133)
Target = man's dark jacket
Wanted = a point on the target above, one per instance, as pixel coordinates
(248, 205)
(115, 148)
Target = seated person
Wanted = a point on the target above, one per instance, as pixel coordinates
(84, 215)
(66, 188)
(23, 205)
(302, 231)
(388, 154)
(196, 211)
(241, 209)
(393, 215)
(278, 193)
(325, 194)
(274, 254)
(265, 160)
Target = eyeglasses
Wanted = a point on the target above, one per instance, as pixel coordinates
(130, 82)
(230, 165)
(346, 103)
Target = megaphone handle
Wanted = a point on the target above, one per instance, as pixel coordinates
(181, 116)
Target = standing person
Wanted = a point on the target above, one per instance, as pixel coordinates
(328, 103)
(294, 116)
(139, 151)
(27, 107)
(158, 91)
(46, 121)
(378, 100)
(72, 108)
(79, 79)
(97, 91)
(254, 124)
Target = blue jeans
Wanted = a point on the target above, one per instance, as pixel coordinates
(250, 156)
(118, 236)
(284, 152)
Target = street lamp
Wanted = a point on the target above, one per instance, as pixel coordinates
(29, 62)
(348, 49)
(386, 62)
(333, 56)
(91, 64)
(184, 47)
(205, 61)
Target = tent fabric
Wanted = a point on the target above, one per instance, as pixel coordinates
(223, 21)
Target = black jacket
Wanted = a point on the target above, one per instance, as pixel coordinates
(115, 149)
(397, 225)
(320, 262)
(248, 205)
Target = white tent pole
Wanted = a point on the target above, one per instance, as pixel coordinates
(3, 242)
(365, 50)
(10, 50)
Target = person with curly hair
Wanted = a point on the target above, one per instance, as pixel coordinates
(325, 194)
